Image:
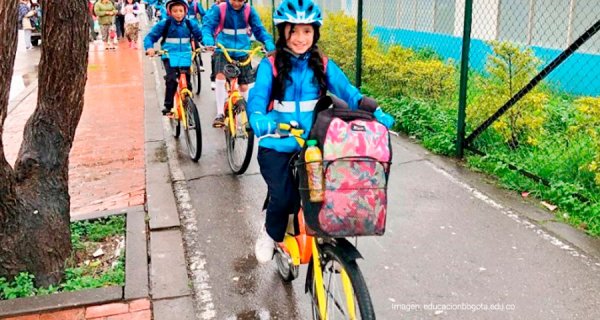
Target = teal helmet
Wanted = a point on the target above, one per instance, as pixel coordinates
(298, 12)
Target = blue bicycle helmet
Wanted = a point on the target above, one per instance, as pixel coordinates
(170, 3)
(298, 12)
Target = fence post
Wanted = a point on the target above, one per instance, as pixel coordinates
(359, 35)
(464, 72)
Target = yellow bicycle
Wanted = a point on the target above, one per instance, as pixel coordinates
(185, 114)
(334, 280)
(238, 134)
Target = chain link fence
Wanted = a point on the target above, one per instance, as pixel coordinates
(533, 67)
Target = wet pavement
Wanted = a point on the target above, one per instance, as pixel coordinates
(106, 165)
(449, 252)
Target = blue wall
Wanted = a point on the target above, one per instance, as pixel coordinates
(579, 74)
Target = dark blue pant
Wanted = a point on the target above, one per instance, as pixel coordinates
(284, 198)
(171, 78)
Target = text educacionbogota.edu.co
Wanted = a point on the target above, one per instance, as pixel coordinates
(473, 307)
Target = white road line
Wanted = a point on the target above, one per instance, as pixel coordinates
(187, 215)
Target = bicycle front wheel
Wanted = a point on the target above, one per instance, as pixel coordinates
(196, 75)
(241, 143)
(346, 293)
(193, 131)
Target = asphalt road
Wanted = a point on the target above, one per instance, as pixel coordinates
(451, 250)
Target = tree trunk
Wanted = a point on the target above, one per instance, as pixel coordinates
(34, 196)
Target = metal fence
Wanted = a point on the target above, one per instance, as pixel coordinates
(522, 78)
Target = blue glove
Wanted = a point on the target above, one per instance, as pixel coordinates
(384, 118)
(261, 124)
(269, 46)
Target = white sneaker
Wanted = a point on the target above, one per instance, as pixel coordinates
(264, 247)
(202, 69)
(213, 85)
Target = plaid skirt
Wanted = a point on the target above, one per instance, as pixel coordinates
(248, 75)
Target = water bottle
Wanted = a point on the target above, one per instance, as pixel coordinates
(314, 170)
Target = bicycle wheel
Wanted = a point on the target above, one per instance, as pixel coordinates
(196, 75)
(239, 146)
(193, 132)
(353, 302)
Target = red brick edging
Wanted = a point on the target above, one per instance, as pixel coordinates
(132, 310)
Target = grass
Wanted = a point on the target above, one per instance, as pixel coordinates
(84, 271)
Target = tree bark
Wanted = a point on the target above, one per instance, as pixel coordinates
(34, 196)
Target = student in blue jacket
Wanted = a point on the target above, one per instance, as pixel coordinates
(195, 11)
(303, 77)
(177, 43)
(235, 35)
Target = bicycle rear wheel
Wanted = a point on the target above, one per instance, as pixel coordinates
(241, 145)
(196, 75)
(193, 132)
(342, 302)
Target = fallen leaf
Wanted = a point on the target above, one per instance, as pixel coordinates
(549, 206)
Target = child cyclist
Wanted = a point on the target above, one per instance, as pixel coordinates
(234, 35)
(176, 41)
(302, 78)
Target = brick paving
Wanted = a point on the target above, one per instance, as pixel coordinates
(106, 169)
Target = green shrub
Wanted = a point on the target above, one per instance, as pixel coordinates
(509, 69)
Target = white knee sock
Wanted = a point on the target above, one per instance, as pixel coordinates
(220, 95)
(245, 94)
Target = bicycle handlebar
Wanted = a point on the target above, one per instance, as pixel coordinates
(251, 54)
(285, 130)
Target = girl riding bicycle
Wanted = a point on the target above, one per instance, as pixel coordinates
(292, 82)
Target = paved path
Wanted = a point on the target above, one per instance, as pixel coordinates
(106, 169)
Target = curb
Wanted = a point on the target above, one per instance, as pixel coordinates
(169, 281)
(16, 102)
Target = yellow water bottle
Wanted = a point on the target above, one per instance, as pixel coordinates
(314, 170)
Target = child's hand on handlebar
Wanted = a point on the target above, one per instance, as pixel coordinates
(262, 125)
(150, 52)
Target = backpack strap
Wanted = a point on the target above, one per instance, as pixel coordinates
(271, 60)
(223, 12)
(195, 4)
(165, 31)
(247, 11)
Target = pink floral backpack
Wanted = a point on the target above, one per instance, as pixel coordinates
(357, 155)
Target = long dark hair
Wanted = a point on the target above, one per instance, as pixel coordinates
(283, 62)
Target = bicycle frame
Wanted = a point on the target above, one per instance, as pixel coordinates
(233, 93)
(181, 93)
(302, 247)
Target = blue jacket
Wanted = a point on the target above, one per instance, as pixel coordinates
(178, 41)
(301, 95)
(234, 34)
(192, 12)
